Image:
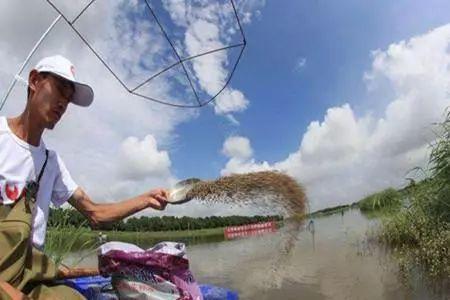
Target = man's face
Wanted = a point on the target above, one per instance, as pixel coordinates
(51, 96)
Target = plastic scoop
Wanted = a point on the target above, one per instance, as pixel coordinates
(177, 194)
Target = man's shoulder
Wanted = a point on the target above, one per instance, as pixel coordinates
(54, 158)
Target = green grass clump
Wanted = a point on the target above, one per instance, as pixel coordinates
(64, 238)
(439, 204)
(420, 233)
(387, 199)
(420, 238)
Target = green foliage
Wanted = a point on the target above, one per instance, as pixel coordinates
(420, 233)
(170, 223)
(66, 235)
(147, 239)
(439, 204)
(66, 217)
(329, 211)
(386, 199)
(70, 217)
(419, 237)
(70, 231)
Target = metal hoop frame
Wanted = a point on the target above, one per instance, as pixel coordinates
(181, 61)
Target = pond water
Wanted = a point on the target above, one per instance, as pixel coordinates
(330, 260)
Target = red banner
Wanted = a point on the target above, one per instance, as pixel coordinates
(232, 232)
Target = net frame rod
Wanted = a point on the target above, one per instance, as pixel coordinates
(133, 91)
(27, 59)
(228, 80)
(180, 60)
(175, 51)
(183, 60)
(239, 22)
(81, 12)
(88, 45)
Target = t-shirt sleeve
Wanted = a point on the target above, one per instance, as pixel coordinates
(64, 185)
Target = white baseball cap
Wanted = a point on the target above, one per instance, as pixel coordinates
(62, 67)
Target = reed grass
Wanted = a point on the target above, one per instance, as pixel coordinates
(388, 199)
(420, 233)
(64, 238)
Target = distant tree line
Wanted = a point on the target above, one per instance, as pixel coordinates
(69, 217)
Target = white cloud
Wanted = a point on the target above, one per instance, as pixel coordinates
(178, 10)
(208, 26)
(300, 64)
(250, 9)
(239, 152)
(202, 36)
(345, 156)
(229, 101)
(239, 165)
(141, 159)
(237, 146)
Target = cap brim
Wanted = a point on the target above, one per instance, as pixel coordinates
(83, 94)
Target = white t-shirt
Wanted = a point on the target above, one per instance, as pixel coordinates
(21, 162)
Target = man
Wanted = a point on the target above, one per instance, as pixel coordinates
(23, 156)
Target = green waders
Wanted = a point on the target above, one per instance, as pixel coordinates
(21, 265)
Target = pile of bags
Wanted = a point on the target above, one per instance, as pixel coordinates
(159, 273)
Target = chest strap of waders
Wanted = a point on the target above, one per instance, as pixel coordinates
(32, 187)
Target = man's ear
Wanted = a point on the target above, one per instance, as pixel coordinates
(33, 80)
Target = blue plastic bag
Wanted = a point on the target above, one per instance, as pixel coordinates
(99, 288)
(211, 292)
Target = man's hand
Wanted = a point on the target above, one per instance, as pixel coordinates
(157, 198)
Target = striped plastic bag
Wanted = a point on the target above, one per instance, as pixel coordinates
(158, 273)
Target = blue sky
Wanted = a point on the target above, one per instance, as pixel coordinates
(336, 38)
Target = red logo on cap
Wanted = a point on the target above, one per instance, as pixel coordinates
(72, 69)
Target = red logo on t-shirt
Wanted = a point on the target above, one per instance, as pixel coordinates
(12, 194)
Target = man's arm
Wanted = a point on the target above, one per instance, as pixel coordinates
(101, 213)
